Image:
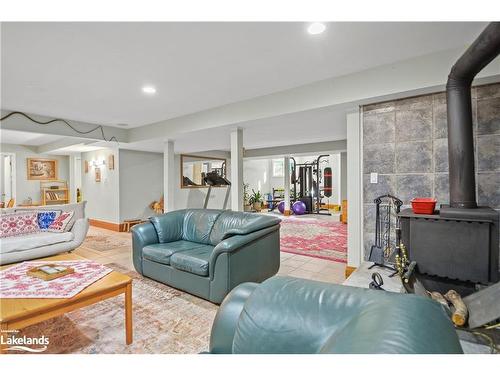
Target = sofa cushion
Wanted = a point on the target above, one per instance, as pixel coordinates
(61, 223)
(193, 261)
(18, 223)
(231, 223)
(33, 240)
(77, 208)
(45, 218)
(169, 226)
(198, 224)
(161, 252)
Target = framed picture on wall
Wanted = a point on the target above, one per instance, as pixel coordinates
(41, 169)
(86, 166)
(111, 161)
(98, 174)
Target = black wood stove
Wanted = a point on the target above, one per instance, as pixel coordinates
(460, 243)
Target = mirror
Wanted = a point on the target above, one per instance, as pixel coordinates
(195, 168)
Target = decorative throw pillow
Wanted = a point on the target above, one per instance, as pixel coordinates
(18, 223)
(60, 223)
(45, 218)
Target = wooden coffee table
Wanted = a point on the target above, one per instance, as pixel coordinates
(18, 313)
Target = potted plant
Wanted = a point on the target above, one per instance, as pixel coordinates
(256, 200)
(247, 206)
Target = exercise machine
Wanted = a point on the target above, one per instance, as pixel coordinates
(215, 179)
(309, 177)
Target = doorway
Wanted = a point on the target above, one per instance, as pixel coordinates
(7, 177)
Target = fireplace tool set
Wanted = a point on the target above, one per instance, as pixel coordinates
(387, 253)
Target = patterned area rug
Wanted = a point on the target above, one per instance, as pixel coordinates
(314, 238)
(165, 321)
(96, 240)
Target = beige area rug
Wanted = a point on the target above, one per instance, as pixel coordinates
(97, 240)
(165, 320)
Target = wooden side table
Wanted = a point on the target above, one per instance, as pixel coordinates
(130, 223)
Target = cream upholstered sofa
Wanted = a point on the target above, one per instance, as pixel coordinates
(43, 244)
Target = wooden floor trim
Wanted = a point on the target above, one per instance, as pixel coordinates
(107, 225)
(349, 270)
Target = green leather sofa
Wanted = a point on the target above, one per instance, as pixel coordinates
(207, 252)
(290, 315)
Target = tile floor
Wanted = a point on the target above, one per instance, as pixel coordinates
(291, 264)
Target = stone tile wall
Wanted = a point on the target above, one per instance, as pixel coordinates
(405, 142)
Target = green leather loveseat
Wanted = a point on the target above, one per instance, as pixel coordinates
(290, 315)
(207, 252)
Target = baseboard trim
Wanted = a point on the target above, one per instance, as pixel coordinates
(349, 270)
(107, 225)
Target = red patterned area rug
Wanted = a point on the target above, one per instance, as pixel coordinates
(314, 238)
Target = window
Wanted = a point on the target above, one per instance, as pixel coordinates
(278, 168)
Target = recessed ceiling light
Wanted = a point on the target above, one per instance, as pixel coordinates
(149, 90)
(316, 28)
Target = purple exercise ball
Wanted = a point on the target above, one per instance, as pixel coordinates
(281, 206)
(299, 208)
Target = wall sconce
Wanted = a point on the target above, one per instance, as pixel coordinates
(98, 163)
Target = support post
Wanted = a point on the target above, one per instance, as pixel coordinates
(354, 192)
(237, 170)
(286, 184)
(343, 176)
(168, 175)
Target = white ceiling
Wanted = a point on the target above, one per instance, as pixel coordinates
(93, 72)
(26, 138)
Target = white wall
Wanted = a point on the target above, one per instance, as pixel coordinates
(257, 174)
(31, 188)
(195, 197)
(103, 198)
(141, 182)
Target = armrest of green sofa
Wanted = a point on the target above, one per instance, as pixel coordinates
(224, 326)
(142, 235)
(236, 242)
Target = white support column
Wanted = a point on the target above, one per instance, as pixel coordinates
(168, 175)
(286, 184)
(343, 176)
(354, 191)
(75, 175)
(72, 179)
(237, 170)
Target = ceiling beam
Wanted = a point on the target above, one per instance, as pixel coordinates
(21, 123)
(61, 143)
(305, 148)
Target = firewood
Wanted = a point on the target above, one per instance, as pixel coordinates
(460, 315)
(438, 297)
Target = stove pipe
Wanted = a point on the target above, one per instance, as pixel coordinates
(459, 107)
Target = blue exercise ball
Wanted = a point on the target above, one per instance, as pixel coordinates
(281, 207)
(299, 208)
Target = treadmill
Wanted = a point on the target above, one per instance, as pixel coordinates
(214, 179)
